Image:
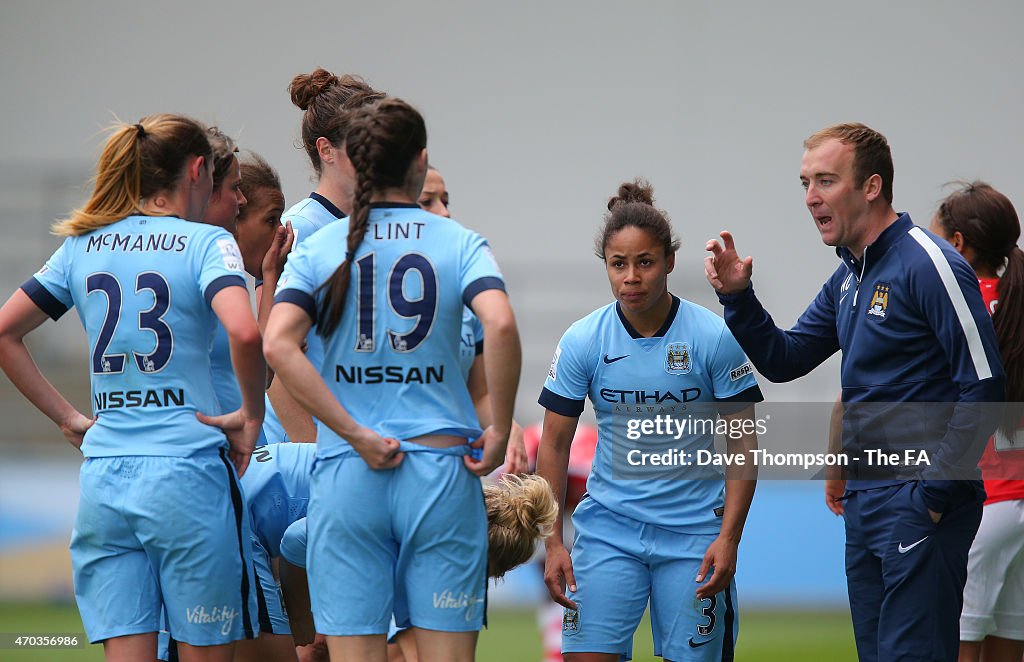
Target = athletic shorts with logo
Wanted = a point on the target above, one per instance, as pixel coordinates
(156, 532)
(409, 541)
(619, 564)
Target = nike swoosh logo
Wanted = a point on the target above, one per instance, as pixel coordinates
(617, 358)
(904, 550)
(696, 645)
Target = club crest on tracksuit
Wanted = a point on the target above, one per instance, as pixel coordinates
(879, 300)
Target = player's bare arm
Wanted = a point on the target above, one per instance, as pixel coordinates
(740, 481)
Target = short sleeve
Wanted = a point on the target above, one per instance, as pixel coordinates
(221, 265)
(298, 284)
(480, 270)
(732, 374)
(568, 382)
(50, 287)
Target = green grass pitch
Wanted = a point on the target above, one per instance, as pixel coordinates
(788, 636)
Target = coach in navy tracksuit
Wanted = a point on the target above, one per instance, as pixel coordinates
(906, 311)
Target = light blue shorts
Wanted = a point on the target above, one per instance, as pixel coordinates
(272, 615)
(620, 564)
(411, 541)
(293, 550)
(155, 532)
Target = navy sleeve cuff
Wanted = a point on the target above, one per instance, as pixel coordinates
(740, 401)
(41, 296)
(739, 297)
(480, 285)
(300, 299)
(560, 404)
(480, 348)
(219, 284)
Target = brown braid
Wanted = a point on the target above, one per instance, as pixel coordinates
(382, 141)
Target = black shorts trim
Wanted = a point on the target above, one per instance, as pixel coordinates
(238, 505)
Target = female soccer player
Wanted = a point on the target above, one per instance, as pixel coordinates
(520, 511)
(983, 226)
(259, 222)
(264, 244)
(263, 241)
(648, 537)
(225, 201)
(326, 101)
(147, 285)
(227, 197)
(410, 514)
(434, 198)
(581, 459)
(277, 494)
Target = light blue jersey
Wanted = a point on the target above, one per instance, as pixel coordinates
(394, 361)
(472, 341)
(222, 371)
(142, 287)
(276, 488)
(693, 358)
(307, 217)
(225, 384)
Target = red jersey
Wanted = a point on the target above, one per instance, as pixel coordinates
(1002, 461)
(581, 457)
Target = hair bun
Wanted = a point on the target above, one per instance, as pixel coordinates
(305, 88)
(637, 190)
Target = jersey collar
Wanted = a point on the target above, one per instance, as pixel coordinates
(394, 205)
(633, 333)
(328, 205)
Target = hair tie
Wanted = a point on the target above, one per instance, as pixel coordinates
(141, 130)
(350, 256)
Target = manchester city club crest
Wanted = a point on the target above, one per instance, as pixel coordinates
(677, 358)
(879, 300)
(571, 620)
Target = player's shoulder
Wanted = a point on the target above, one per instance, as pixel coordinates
(308, 216)
(692, 315)
(195, 233)
(596, 321)
(329, 245)
(582, 334)
(446, 226)
(202, 231)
